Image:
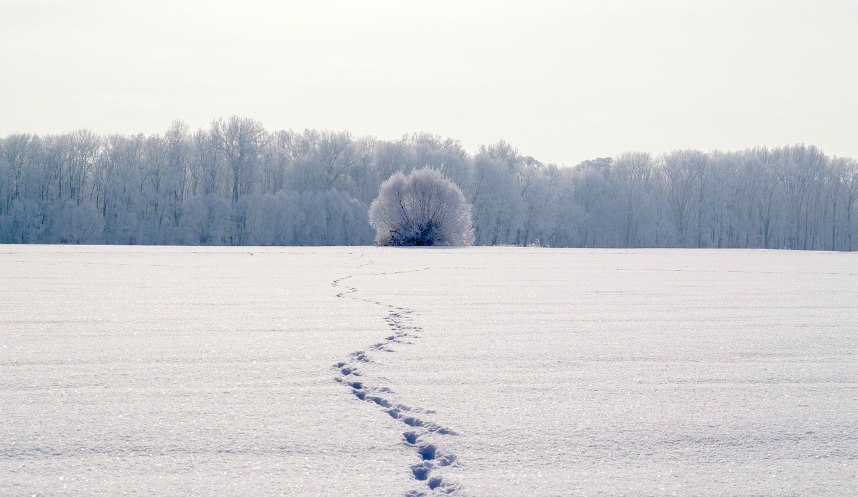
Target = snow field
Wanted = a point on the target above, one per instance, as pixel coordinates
(171, 371)
(480, 371)
(647, 372)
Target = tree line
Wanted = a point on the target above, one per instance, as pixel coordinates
(235, 183)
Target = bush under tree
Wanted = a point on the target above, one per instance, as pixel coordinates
(423, 208)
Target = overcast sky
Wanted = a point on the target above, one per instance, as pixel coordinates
(563, 81)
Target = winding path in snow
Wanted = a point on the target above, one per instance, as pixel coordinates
(349, 373)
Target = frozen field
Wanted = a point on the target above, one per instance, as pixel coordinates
(393, 372)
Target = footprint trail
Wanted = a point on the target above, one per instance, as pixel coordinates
(419, 433)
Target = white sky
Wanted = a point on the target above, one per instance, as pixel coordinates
(562, 81)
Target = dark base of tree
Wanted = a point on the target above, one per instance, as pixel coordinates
(425, 236)
(410, 242)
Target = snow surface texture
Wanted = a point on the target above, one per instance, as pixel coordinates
(480, 371)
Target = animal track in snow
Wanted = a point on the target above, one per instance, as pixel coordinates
(399, 321)
(410, 437)
(427, 452)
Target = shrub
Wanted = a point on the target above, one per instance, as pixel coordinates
(423, 208)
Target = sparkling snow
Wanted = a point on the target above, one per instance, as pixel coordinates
(479, 371)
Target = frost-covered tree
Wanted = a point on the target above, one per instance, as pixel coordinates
(498, 206)
(237, 183)
(423, 208)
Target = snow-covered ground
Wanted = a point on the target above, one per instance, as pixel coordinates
(337, 371)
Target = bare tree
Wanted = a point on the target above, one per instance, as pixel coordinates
(239, 140)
